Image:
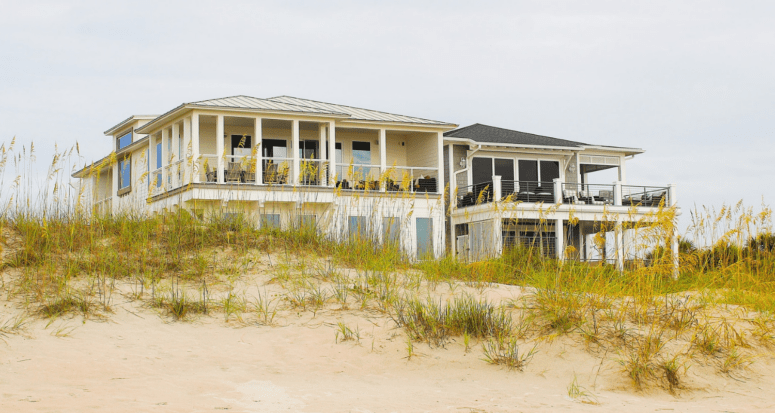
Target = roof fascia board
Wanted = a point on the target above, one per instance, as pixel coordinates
(613, 149)
(396, 126)
(126, 122)
(512, 145)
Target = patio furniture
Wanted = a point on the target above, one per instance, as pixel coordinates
(233, 172)
(425, 185)
(210, 176)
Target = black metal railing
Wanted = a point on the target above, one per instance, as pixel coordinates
(528, 191)
(477, 194)
(647, 196)
(587, 194)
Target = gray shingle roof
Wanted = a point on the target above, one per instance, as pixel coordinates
(356, 113)
(490, 134)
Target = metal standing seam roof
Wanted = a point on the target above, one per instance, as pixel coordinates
(248, 102)
(357, 113)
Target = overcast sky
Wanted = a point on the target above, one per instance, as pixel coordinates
(690, 82)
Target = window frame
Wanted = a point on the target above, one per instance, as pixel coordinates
(127, 158)
(131, 134)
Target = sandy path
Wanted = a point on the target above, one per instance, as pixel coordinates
(138, 361)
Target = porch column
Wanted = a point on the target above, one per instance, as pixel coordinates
(186, 166)
(382, 159)
(440, 162)
(497, 188)
(674, 244)
(296, 170)
(497, 236)
(165, 137)
(175, 155)
(114, 187)
(219, 146)
(557, 191)
(619, 245)
(332, 152)
(322, 150)
(194, 161)
(259, 150)
(559, 242)
(452, 198)
(618, 193)
(622, 171)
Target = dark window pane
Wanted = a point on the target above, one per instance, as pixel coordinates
(482, 170)
(549, 171)
(528, 171)
(391, 231)
(125, 175)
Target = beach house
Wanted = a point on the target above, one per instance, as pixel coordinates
(427, 186)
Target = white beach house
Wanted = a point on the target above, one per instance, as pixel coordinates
(285, 161)
(422, 184)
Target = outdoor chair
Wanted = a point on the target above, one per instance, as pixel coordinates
(233, 173)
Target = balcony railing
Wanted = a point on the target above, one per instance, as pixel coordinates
(588, 194)
(394, 179)
(562, 193)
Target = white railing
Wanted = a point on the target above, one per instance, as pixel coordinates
(277, 170)
(395, 178)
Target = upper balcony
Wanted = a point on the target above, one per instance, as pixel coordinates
(239, 151)
(558, 192)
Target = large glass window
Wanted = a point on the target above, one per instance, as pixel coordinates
(125, 140)
(158, 164)
(359, 227)
(124, 173)
(391, 231)
(361, 156)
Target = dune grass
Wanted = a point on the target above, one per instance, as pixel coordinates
(64, 262)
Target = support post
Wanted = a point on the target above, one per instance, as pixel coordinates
(114, 188)
(452, 198)
(440, 163)
(219, 146)
(557, 191)
(675, 246)
(332, 152)
(259, 150)
(322, 145)
(497, 188)
(175, 146)
(186, 150)
(618, 193)
(619, 245)
(195, 147)
(382, 159)
(165, 137)
(559, 242)
(296, 170)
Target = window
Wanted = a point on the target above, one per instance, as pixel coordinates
(158, 164)
(124, 175)
(391, 231)
(307, 222)
(359, 227)
(124, 141)
(361, 156)
(424, 237)
(270, 221)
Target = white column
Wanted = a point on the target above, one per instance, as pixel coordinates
(618, 193)
(219, 146)
(497, 235)
(497, 188)
(195, 147)
(557, 191)
(332, 151)
(559, 242)
(165, 137)
(382, 158)
(175, 142)
(114, 188)
(296, 170)
(674, 244)
(452, 198)
(622, 171)
(186, 152)
(321, 150)
(258, 142)
(619, 245)
(174, 138)
(440, 162)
